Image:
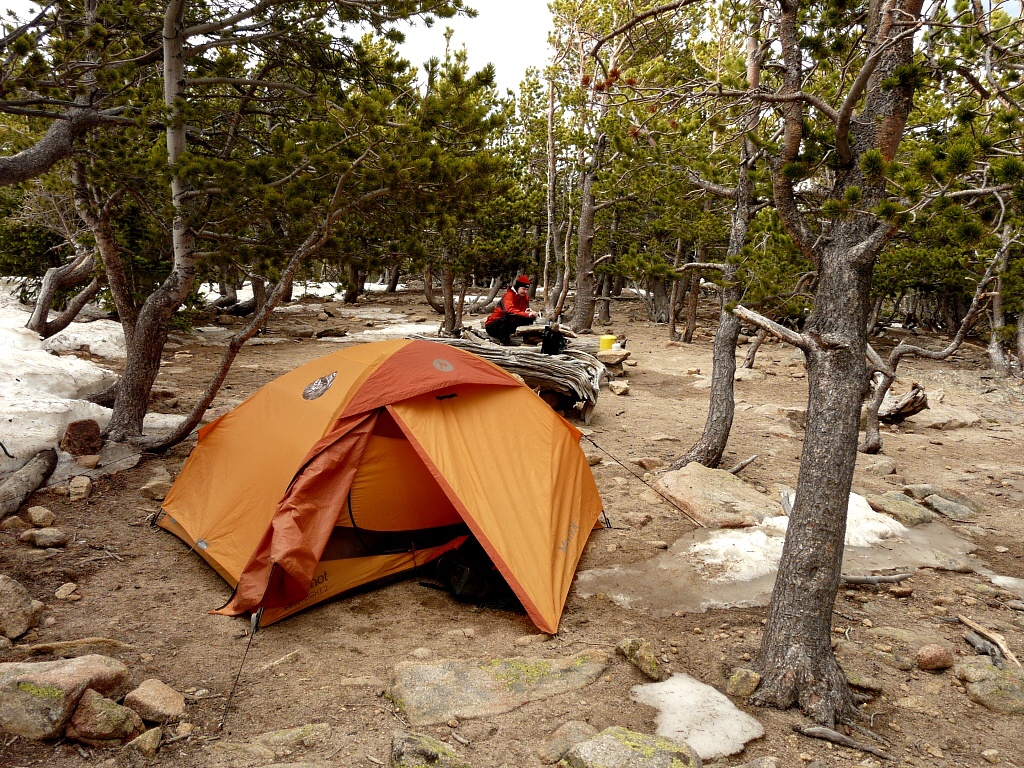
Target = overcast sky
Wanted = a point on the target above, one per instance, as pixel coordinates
(511, 34)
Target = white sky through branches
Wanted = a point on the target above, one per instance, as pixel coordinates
(511, 34)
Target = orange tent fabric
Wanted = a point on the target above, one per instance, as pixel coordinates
(376, 459)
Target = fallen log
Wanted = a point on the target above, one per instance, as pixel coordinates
(573, 374)
(24, 482)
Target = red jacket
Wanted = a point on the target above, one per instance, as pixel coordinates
(511, 304)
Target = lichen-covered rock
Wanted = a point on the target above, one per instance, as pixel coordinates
(1001, 690)
(18, 611)
(38, 698)
(304, 736)
(563, 739)
(101, 722)
(640, 654)
(621, 748)
(147, 744)
(416, 750)
(156, 702)
(743, 683)
(902, 508)
(951, 509)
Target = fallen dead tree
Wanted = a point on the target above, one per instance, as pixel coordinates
(573, 375)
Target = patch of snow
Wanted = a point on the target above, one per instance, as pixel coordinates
(750, 553)
(41, 392)
(702, 716)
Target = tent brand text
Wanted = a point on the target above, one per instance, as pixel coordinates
(573, 529)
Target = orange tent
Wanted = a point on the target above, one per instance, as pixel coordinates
(376, 459)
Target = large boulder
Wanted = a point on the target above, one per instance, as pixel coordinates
(717, 498)
(902, 508)
(18, 611)
(943, 417)
(563, 739)
(37, 699)
(621, 748)
(101, 722)
(1001, 690)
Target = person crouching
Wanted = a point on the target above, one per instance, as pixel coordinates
(512, 311)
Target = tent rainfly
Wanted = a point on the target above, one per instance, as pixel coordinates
(376, 459)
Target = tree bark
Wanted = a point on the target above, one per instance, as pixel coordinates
(673, 335)
(353, 283)
(448, 296)
(393, 277)
(748, 361)
(996, 346)
(428, 292)
(796, 658)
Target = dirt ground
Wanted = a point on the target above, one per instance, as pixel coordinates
(140, 585)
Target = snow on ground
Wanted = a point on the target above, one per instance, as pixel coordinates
(300, 289)
(40, 392)
(750, 553)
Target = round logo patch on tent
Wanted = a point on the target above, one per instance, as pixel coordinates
(443, 365)
(318, 387)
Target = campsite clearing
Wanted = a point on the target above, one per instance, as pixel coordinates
(141, 586)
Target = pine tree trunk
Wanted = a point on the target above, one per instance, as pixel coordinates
(393, 277)
(583, 311)
(755, 345)
(448, 296)
(61, 278)
(796, 659)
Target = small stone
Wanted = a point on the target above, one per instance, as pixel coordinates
(41, 517)
(147, 744)
(93, 459)
(934, 657)
(184, 729)
(648, 462)
(156, 701)
(304, 736)
(18, 611)
(101, 722)
(1000, 549)
(156, 489)
(82, 438)
(14, 523)
(323, 317)
(80, 488)
(619, 387)
(45, 538)
(743, 682)
(64, 591)
(421, 653)
(593, 459)
(641, 655)
(693, 371)
(525, 640)
(900, 590)
(563, 739)
(990, 755)
(659, 544)
(416, 750)
(613, 356)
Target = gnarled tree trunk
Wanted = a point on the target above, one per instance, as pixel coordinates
(61, 278)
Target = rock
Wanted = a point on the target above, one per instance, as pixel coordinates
(304, 736)
(768, 762)
(432, 693)
(901, 590)
(990, 755)
(45, 537)
(18, 611)
(1015, 605)
(93, 459)
(38, 698)
(421, 653)
(613, 356)
(148, 743)
(82, 438)
(156, 702)
(621, 748)
(525, 640)
(41, 517)
(743, 682)
(640, 654)
(64, 591)
(240, 754)
(864, 682)
(748, 374)
(664, 439)
(24, 482)
(619, 387)
(950, 509)
(100, 722)
(323, 317)
(715, 497)
(79, 488)
(903, 509)
(881, 466)
(335, 331)
(1000, 690)
(921, 491)
(648, 462)
(14, 524)
(593, 459)
(156, 489)
(415, 750)
(934, 657)
(563, 739)
(937, 416)
(692, 371)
